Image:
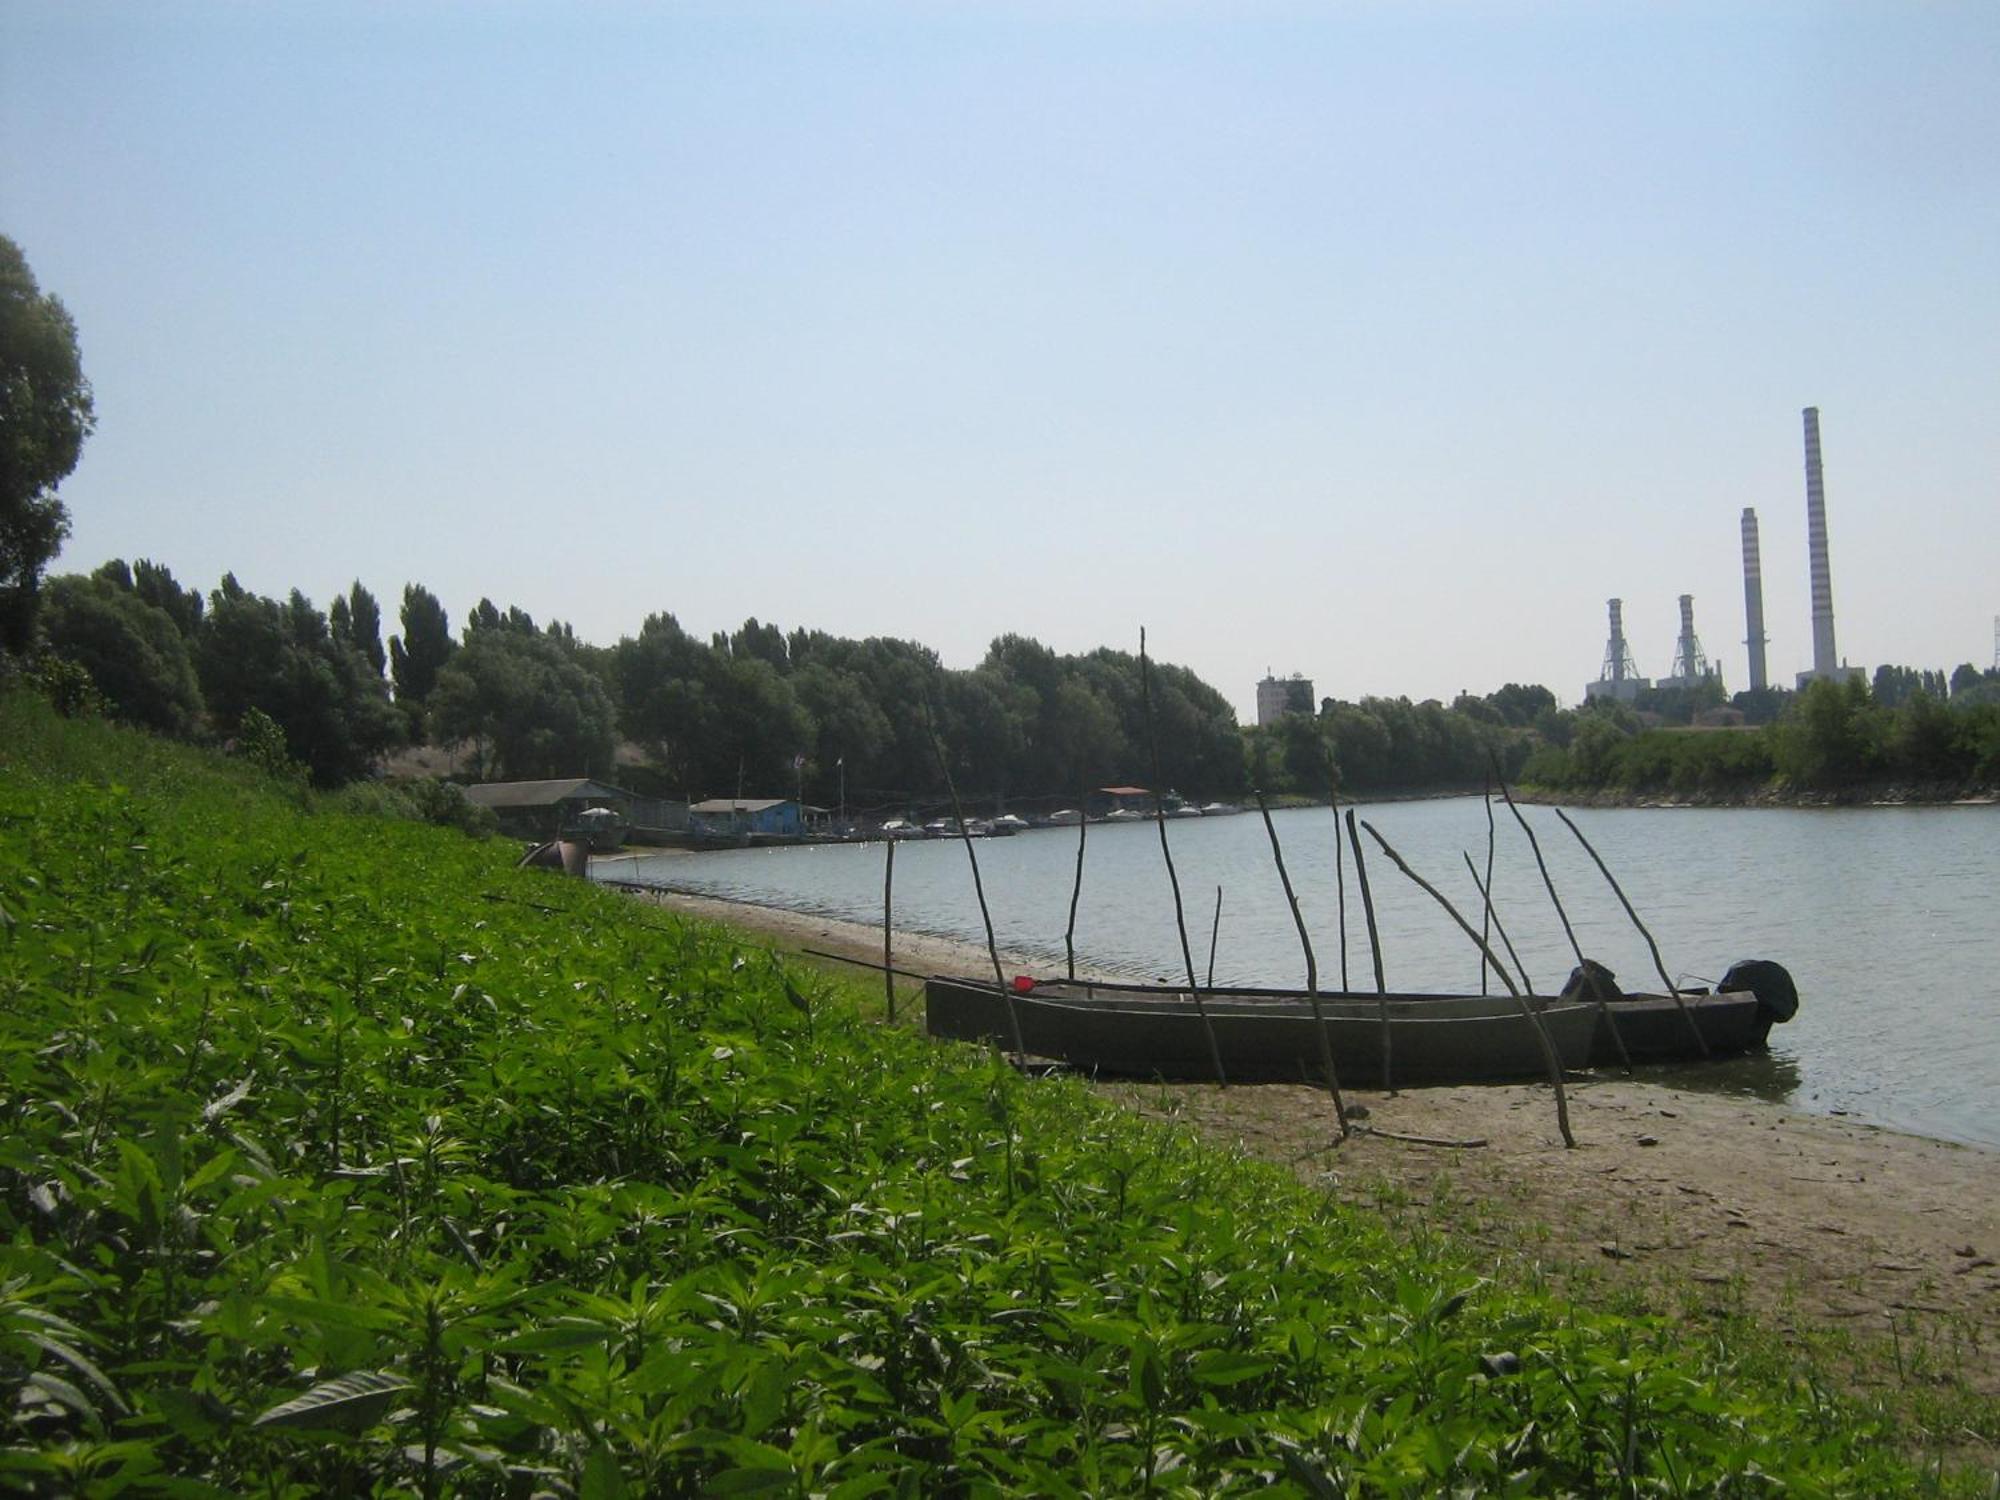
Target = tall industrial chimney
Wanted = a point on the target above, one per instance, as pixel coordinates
(1690, 664)
(1618, 664)
(1826, 661)
(1753, 601)
(1620, 679)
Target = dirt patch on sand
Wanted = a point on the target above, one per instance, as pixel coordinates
(1806, 1221)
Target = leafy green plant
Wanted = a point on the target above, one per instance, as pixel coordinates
(336, 1156)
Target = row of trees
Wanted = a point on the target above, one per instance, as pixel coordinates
(1834, 735)
(755, 710)
(760, 711)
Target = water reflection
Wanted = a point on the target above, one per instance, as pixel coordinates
(1772, 1076)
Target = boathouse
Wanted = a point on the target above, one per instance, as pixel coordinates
(545, 809)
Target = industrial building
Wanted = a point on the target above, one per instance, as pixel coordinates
(1619, 680)
(1692, 667)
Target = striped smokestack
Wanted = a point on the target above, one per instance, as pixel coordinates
(1826, 661)
(1753, 601)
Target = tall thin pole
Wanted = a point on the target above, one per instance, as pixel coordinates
(1486, 887)
(1214, 934)
(1339, 861)
(978, 888)
(1312, 970)
(1589, 974)
(1658, 962)
(1499, 928)
(1173, 880)
(888, 928)
(1076, 891)
(1367, 904)
(1549, 1057)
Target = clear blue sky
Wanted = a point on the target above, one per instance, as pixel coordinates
(1381, 343)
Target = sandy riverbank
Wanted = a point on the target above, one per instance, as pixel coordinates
(1808, 1221)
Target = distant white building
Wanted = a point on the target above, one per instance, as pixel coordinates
(1278, 696)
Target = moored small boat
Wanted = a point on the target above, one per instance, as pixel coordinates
(1142, 1031)
(1733, 1018)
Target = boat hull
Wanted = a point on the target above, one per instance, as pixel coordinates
(1267, 1036)
(1654, 1030)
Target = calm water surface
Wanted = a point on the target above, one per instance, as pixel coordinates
(1888, 918)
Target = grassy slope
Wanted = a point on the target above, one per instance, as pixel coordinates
(337, 1156)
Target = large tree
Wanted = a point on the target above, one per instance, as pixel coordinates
(420, 652)
(282, 659)
(526, 703)
(45, 414)
(133, 650)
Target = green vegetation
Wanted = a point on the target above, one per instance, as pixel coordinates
(46, 411)
(338, 1157)
(1832, 738)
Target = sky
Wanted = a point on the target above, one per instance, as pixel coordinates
(1381, 343)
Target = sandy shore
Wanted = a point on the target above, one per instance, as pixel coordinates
(1809, 1221)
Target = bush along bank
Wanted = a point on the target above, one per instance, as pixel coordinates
(1834, 746)
(338, 1157)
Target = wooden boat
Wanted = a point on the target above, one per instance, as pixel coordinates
(1733, 1018)
(1144, 1031)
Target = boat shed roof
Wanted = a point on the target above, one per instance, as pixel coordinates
(498, 794)
(738, 804)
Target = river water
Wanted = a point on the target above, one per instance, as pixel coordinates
(1888, 918)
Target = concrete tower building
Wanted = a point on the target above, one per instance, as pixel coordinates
(1753, 602)
(1278, 696)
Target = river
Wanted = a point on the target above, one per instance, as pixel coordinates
(1888, 918)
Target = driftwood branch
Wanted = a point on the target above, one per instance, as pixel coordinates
(1535, 1021)
(1421, 1140)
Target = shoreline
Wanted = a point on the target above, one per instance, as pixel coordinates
(1815, 1222)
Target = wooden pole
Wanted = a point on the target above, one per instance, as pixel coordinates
(1485, 892)
(1374, 947)
(1486, 888)
(978, 887)
(1076, 891)
(1658, 962)
(1173, 880)
(888, 955)
(1367, 904)
(1541, 1034)
(1589, 975)
(1214, 932)
(1312, 974)
(1339, 861)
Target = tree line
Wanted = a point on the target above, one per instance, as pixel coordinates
(1831, 737)
(755, 711)
(878, 722)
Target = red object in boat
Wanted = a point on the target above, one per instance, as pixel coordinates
(1023, 984)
